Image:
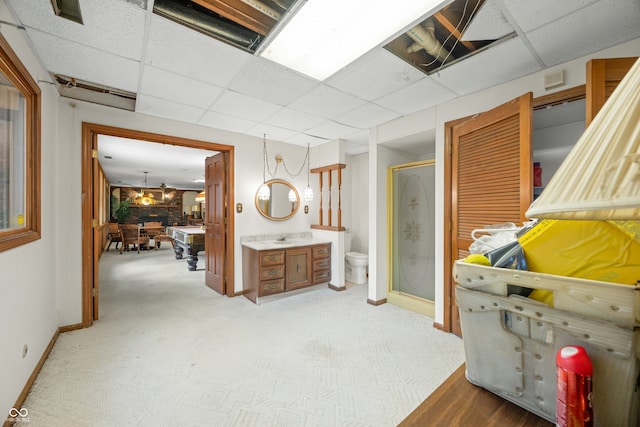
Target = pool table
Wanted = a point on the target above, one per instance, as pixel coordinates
(187, 238)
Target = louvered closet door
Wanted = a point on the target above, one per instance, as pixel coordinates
(491, 174)
(603, 76)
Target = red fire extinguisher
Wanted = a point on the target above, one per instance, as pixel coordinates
(573, 388)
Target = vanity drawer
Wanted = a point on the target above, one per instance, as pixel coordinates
(270, 287)
(272, 257)
(321, 276)
(322, 263)
(271, 272)
(321, 251)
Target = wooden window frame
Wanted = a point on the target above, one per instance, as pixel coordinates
(19, 76)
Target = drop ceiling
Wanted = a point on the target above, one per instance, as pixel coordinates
(178, 72)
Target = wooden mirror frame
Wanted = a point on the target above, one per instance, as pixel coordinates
(260, 203)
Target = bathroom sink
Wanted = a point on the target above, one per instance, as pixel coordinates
(288, 242)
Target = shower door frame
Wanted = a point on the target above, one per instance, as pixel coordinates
(401, 299)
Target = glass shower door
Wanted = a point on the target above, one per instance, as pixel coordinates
(412, 272)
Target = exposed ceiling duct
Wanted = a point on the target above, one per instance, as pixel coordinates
(242, 23)
(424, 36)
(221, 29)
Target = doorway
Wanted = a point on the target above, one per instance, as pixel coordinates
(412, 236)
(91, 229)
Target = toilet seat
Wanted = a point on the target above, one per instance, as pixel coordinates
(357, 255)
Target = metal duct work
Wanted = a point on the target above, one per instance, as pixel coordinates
(425, 38)
(220, 29)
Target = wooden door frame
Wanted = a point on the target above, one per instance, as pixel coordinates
(90, 131)
(560, 97)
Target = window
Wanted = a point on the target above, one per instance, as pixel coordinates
(19, 152)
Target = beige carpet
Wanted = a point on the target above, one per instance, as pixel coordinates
(167, 351)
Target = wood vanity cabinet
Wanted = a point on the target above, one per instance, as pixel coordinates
(272, 271)
(321, 263)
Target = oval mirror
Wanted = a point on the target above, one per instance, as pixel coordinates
(279, 206)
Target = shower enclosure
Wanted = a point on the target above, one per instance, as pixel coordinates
(412, 236)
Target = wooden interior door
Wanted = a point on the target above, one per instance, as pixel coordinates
(491, 177)
(215, 222)
(603, 76)
(96, 237)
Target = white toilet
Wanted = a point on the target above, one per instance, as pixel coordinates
(356, 267)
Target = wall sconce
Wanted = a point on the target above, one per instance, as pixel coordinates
(239, 207)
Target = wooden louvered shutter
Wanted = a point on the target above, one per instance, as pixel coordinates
(491, 173)
(603, 76)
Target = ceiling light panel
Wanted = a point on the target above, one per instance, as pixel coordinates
(324, 36)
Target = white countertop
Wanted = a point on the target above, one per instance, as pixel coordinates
(265, 245)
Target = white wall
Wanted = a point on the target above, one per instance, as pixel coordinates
(356, 200)
(435, 118)
(28, 284)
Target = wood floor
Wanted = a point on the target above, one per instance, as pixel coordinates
(457, 402)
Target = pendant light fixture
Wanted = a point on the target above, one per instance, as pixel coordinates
(145, 197)
(264, 193)
(307, 195)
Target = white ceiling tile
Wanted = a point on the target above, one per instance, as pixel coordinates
(489, 23)
(176, 48)
(85, 63)
(162, 108)
(332, 130)
(293, 119)
(304, 140)
(502, 63)
(530, 15)
(326, 101)
(586, 24)
(120, 34)
(422, 94)
(173, 87)
(374, 75)
(367, 116)
(271, 82)
(225, 122)
(274, 133)
(243, 106)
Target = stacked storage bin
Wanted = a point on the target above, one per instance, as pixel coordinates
(511, 341)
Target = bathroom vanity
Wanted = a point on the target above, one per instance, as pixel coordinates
(275, 266)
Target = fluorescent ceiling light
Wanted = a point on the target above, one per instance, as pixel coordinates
(326, 35)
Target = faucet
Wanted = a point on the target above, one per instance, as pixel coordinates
(282, 238)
